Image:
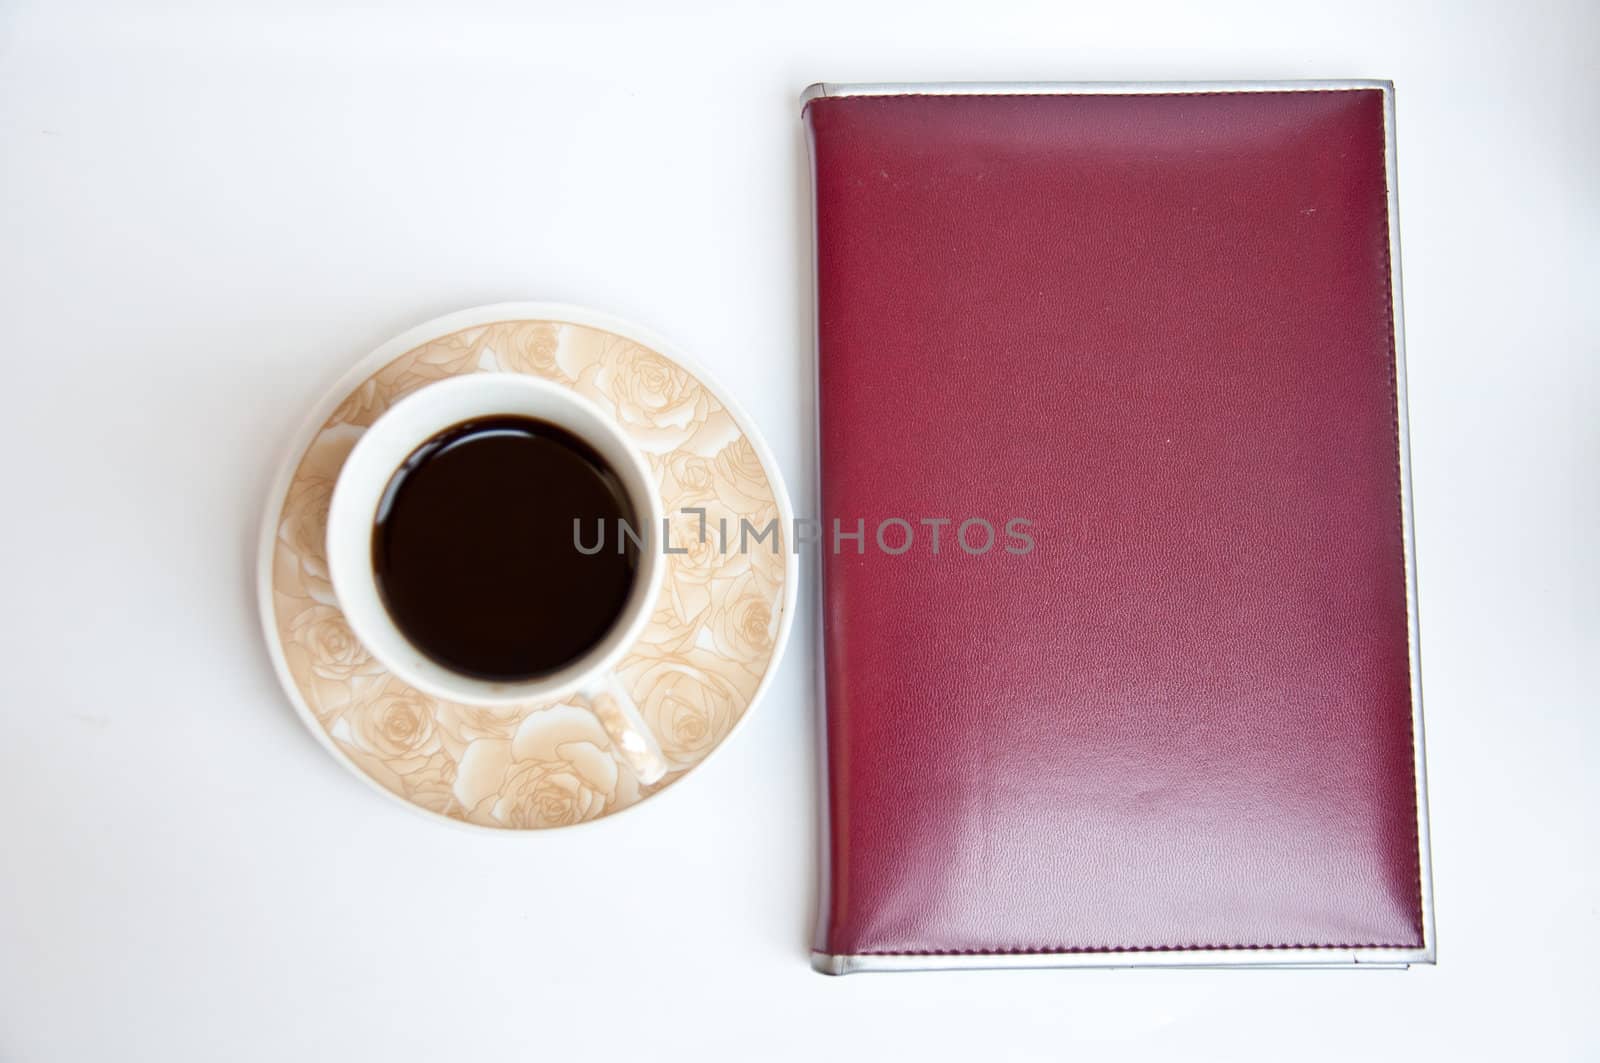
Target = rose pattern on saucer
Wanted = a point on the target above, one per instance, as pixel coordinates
(694, 671)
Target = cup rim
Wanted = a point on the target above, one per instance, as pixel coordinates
(369, 469)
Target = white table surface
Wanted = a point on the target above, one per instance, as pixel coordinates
(206, 212)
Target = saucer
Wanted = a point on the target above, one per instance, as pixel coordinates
(708, 653)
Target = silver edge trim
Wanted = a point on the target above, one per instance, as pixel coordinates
(1331, 959)
(1081, 88)
(1232, 957)
(824, 822)
(1413, 625)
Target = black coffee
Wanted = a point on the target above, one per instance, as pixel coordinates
(475, 552)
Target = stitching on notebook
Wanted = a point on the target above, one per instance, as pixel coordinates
(1390, 224)
(1058, 95)
(1057, 950)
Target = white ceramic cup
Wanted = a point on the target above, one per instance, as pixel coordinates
(352, 514)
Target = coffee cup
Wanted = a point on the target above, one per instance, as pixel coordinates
(378, 556)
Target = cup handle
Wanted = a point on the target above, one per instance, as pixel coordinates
(629, 733)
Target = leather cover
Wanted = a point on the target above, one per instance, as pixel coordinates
(1159, 327)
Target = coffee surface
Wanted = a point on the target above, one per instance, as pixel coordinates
(475, 552)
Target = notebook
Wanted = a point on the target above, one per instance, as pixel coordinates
(1120, 659)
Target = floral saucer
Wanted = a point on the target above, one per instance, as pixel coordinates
(710, 650)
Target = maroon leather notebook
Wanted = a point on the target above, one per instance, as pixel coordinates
(1151, 695)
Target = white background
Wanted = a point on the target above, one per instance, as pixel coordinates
(207, 212)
